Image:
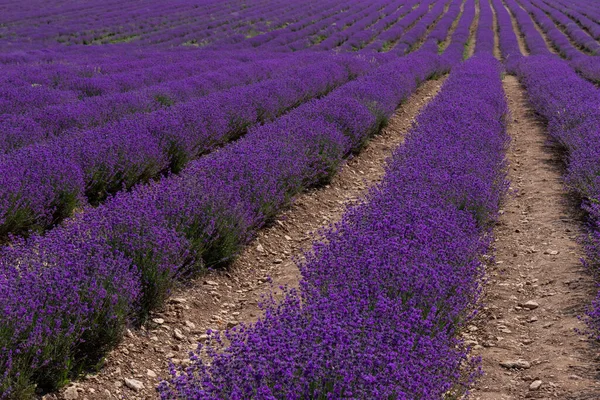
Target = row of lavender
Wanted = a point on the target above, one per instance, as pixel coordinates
(74, 113)
(147, 88)
(66, 73)
(384, 295)
(73, 23)
(116, 262)
(578, 15)
(570, 106)
(44, 183)
(587, 65)
(98, 76)
(66, 296)
(37, 85)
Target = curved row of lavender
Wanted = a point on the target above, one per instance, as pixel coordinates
(484, 37)
(507, 38)
(579, 37)
(587, 24)
(534, 42)
(570, 105)
(587, 65)
(383, 296)
(589, 8)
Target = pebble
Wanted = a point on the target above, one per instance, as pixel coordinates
(151, 373)
(211, 283)
(133, 384)
(107, 393)
(190, 324)
(516, 364)
(260, 248)
(277, 261)
(178, 300)
(71, 393)
(533, 319)
(530, 305)
(185, 362)
(232, 324)
(535, 385)
(158, 321)
(177, 334)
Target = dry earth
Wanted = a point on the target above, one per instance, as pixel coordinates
(517, 30)
(537, 287)
(221, 299)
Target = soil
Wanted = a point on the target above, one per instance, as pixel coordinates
(537, 259)
(549, 45)
(522, 46)
(448, 39)
(473, 31)
(497, 52)
(222, 298)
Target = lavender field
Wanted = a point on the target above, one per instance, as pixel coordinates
(148, 148)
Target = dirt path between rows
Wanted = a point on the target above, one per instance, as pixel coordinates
(221, 299)
(537, 285)
(446, 42)
(518, 33)
(537, 27)
(472, 42)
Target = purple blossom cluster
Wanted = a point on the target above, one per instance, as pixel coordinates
(570, 106)
(384, 294)
(173, 227)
